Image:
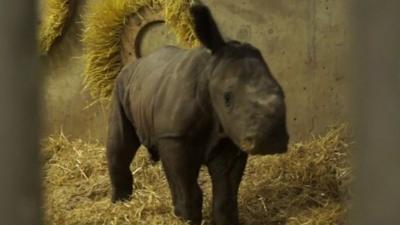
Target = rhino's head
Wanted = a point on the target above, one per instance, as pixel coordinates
(247, 100)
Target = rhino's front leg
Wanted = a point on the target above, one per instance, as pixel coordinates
(182, 164)
(226, 170)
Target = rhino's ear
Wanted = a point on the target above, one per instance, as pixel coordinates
(205, 27)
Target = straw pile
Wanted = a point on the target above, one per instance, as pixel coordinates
(308, 185)
(54, 14)
(103, 26)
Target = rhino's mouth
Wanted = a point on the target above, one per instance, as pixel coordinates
(266, 147)
(247, 144)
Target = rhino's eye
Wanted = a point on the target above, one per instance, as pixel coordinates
(228, 99)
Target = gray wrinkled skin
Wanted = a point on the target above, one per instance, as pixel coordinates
(209, 106)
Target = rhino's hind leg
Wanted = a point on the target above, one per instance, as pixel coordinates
(182, 165)
(122, 144)
(226, 170)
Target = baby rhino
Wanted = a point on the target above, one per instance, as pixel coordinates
(210, 106)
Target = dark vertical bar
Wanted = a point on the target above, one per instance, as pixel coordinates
(376, 65)
(19, 124)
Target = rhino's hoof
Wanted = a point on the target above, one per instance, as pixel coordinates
(121, 196)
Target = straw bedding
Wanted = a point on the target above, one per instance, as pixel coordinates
(54, 14)
(308, 185)
(103, 26)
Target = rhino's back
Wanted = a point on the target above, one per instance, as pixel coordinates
(161, 92)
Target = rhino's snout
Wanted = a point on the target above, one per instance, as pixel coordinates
(274, 144)
(247, 144)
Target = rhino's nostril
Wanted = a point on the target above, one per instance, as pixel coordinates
(247, 144)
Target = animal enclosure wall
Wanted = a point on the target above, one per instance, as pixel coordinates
(302, 41)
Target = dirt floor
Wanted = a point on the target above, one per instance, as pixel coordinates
(308, 185)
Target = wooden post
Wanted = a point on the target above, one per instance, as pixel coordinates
(376, 85)
(19, 124)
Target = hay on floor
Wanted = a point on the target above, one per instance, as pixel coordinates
(54, 14)
(103, 26)
(308, 185)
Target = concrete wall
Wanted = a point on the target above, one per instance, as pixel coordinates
(303, 42)
(67, 107)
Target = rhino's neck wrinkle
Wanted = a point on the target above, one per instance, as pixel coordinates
(202, 90)
(204, 102)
